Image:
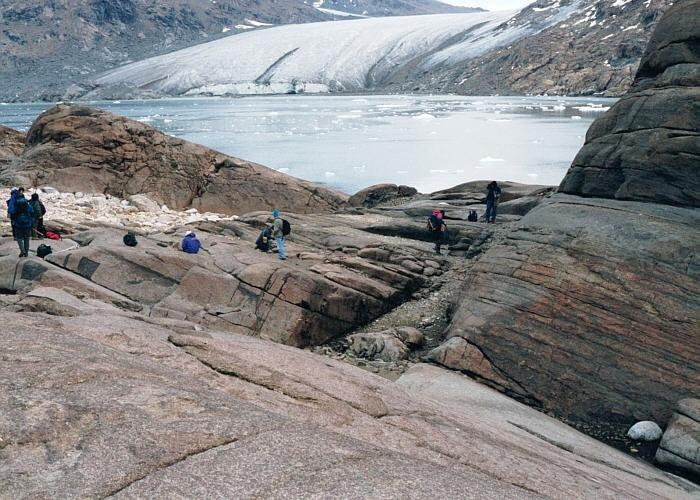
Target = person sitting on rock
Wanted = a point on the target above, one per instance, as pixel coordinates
(492, 197)
(23, 219)
(437, 228)
(278, 234)
(263, 241)
(190, 243)
(38, 231)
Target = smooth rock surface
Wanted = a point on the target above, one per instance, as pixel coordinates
(111, 405)
(645, 430)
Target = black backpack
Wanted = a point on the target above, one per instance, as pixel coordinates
(286, 227)
(130, 239)
(473, 216)
(43, 250)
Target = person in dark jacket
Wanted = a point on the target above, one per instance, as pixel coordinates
(437, 228)
(23, 219)
(38, 231)
(278, 234)
(11, 206)
(492, 196)
(190, 243)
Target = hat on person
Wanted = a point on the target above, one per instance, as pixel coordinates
(276, 212)
(437, 213)
(188, 232)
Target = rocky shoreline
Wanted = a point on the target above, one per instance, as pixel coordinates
(146, 371)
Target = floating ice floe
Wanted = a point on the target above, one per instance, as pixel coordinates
(489, 159)
(424, 117)
(575, 117)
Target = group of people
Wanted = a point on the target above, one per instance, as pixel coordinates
(436, 222)
(278, 232)
(26, 218)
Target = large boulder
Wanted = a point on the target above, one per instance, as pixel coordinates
(680, 445)
(380, 193)
(647, 146)
(76, 148)
(11, 144)
(589, 307)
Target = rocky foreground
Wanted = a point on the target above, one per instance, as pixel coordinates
(145, 371)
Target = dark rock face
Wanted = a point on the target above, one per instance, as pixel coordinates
(590, 307)
(647, 147)
(74, 148)
(11, 144)
(380, 193)
(595, 50)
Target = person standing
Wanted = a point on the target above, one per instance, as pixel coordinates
(278, 234)
(492, 197)
(38, 230)
(23, 217)
(437, 228)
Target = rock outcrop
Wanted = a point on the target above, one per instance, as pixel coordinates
(76, 148)
(680, 445)
(647, 146)
(380, 193)
(111, 404)
(11, 144)
(589, 307)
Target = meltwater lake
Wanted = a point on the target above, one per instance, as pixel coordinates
(350, 142)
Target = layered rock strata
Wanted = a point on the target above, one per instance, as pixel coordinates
(590, 306)
(75, 148)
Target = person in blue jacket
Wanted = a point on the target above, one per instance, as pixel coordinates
(15, 194)
(22, 217)
(190, 243)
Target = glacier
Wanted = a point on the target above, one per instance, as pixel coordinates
(348, 55)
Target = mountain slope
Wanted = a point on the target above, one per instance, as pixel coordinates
(380, 8)
(553, 46)
(338, 56)
(596, 50)
(48, 44)
(45, 45)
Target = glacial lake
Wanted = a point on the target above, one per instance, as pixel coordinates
(350, 142)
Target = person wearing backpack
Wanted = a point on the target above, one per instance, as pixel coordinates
(437, 228)
(492, 197)
(472, 216)
(278, 233)
(23, 217)
(38, 230)
(190, 243)
(12, 206)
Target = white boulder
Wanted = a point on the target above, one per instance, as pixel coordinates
(645, 431)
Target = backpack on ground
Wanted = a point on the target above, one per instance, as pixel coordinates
(473, 216)
(286, 227)
(130, 239)
(43, 250)
(52, 236)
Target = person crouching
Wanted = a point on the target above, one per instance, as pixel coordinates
(190, 243)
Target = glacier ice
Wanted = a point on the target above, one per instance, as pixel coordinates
(321, 57)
